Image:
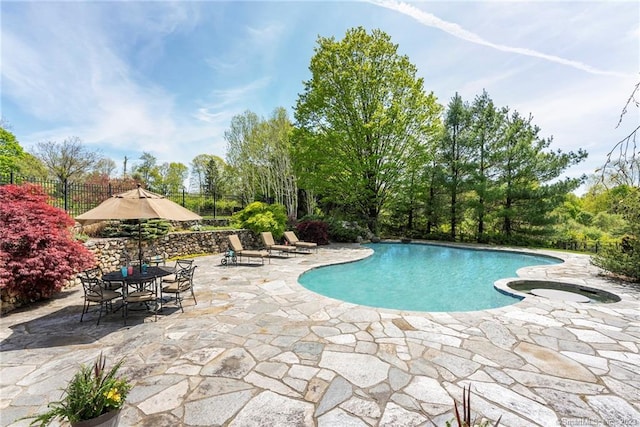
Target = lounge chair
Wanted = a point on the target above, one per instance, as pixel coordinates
(270, 244)
(240, 252)
(293, 240)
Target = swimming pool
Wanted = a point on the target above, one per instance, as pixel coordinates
(422, 277)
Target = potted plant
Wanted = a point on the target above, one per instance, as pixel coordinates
(94, 397)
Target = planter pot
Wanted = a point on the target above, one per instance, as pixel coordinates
(110, 419)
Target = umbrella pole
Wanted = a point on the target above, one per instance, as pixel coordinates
(140, 245)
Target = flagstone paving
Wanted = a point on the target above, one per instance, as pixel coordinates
(260, 350)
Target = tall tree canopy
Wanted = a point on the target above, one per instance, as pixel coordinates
(172, 177)
(526, 173)
(493, 176)
(455, 153)
(259, 151)
(210, 175)
(361, 119)
(148, 172)
(11, 151)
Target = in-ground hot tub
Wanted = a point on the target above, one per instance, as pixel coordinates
(525, 286)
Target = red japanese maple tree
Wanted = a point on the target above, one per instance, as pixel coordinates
(37, 250)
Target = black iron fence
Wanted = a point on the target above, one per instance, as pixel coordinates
(77, 198)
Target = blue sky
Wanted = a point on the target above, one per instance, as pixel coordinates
(167, 77)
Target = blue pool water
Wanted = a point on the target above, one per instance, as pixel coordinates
(422, 277)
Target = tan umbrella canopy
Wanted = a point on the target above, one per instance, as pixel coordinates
(137, 204)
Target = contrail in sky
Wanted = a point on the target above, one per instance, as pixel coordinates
(457, 31)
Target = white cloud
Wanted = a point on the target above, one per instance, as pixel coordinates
(223, 104)
(266, 35)
(456, 30)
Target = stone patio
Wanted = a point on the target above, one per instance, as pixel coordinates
(260, 350)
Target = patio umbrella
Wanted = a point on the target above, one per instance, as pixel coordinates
(137, 204)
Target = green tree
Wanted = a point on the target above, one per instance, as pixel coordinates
(435, 195)
(405, 210)
(207, 172)
(242, 154)
(30, 166)
(260, 152)
(278, 171)
(213, 176)
(360, 120)
(148, 172)
(217, 178)
(455, 157)
(487, 123)
(171, 177)
(603, 198)
(525, 173)
(11, 152)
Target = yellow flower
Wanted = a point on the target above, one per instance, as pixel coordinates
(113, 395)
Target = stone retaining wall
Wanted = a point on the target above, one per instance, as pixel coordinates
(112, 253)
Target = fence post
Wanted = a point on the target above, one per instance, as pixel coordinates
(66, 195)
(183, 197)
(11, 177)
(214, 204)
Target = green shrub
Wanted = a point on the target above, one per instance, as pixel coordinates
(624, 259)
(149, 229)
(226, 207)
(613, 224)
(346, 232)
(80, 237)
(259, 217)
(621, 259)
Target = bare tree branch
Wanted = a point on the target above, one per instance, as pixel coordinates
(624, 156)
(632, 100)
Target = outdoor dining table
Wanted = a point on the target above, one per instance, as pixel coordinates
(139, 278)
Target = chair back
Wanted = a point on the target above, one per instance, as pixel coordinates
(92, 287)
(183, 264)
(91, 273)
(184, 278)
(291, 237)
(267, 238)
(234, 241)
(156, 260)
